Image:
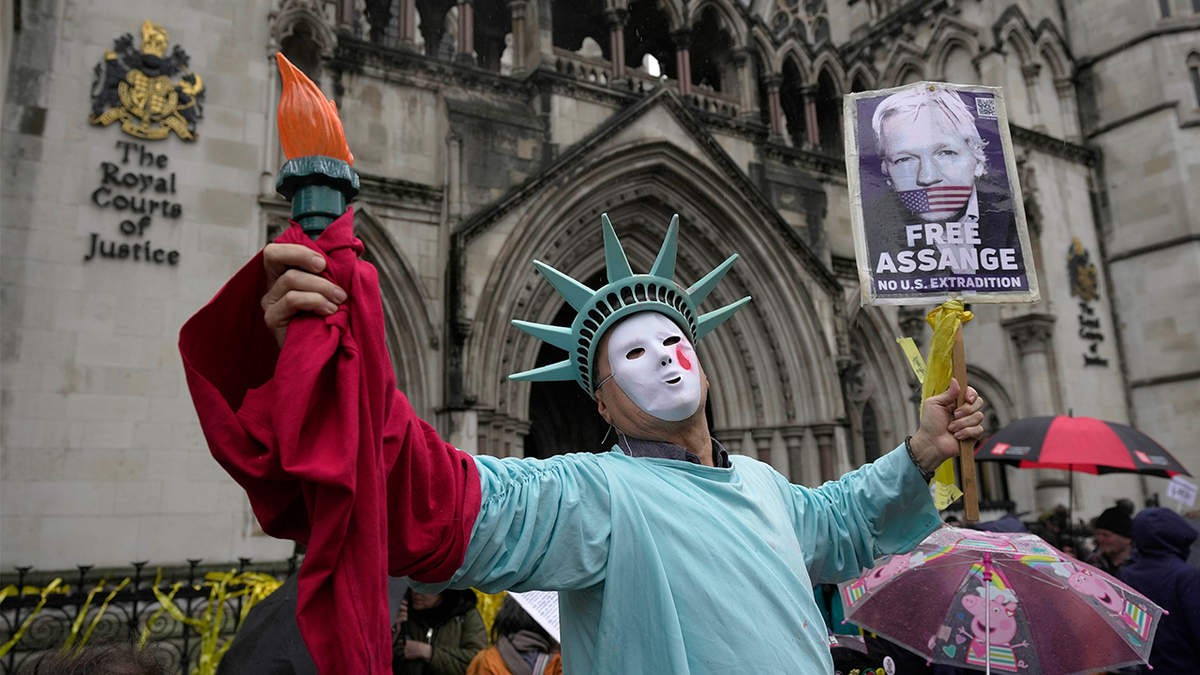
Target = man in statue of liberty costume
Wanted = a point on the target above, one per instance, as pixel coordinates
(669, 555)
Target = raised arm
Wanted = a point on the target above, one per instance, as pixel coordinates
(265, 407)
(844, 525)
(884, 507)
(305, 416)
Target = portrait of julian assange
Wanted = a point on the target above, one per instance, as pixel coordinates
(938, 214)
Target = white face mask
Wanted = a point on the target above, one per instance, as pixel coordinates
(654, 364)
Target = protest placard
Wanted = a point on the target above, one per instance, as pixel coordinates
(543, 607)
(1182, 490)
(935, 203)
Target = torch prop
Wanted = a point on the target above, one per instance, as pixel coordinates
(318, 178)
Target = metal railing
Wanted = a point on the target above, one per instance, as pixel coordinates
(128, 605)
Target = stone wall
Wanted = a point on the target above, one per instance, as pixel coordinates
(103, 460)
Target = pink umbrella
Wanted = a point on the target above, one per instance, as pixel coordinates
(1009, 602)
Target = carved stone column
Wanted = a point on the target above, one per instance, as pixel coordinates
(793, 437)
(762, 444)
(1030, 73)
(501, 440)
(345, 15)
(773, 82)
(731, 439)
(617, 17)
(483, 433)
(808, 94)
(824, 434)
(466, 33)
(1067, 106)
(747, 101)
(406, 24)
(517, 9)
(1032, 335)
(683, 60)
(520, 431)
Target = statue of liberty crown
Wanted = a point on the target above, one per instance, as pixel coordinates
(625, 294)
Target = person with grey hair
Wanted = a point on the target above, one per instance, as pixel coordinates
(933, 158)
(927, 138)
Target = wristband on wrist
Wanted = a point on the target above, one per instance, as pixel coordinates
(927, 475)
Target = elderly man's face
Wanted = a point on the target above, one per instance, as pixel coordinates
(926, 152)
(658, 384)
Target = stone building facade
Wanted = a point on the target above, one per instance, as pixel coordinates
(489, 133)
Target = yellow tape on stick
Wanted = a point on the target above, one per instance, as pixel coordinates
(945, 321)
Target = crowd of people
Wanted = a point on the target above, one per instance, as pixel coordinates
(1156, 551)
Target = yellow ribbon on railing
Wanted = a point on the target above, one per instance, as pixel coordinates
(100, 614)
(55, 586)
(164, 600)
(945, 321)
(255, 587)
(78, 622)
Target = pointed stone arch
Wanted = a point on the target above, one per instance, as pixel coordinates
(676, 13)
(293, 16)
(863, 73)
(949, 33)
(772, 365)
(948, 36)
(1013, 29)
(827, 59)
(903, 57)
(799, 54)
(760, 41)
(730, 17)
(411, 335)
(877, 376)
(1054, 55)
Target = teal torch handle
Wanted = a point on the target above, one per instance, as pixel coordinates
(319, 188)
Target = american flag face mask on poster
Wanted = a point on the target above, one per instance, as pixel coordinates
(937, 202)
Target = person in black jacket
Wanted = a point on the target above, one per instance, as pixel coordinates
(1161, 540)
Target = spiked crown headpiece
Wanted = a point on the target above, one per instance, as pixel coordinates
(625, 294)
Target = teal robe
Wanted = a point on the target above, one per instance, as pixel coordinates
(668, 567)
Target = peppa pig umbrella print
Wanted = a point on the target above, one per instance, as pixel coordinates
(1003, 603)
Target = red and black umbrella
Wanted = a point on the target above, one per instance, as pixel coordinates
(1080, 444)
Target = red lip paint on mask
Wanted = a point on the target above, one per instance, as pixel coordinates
(683, 360)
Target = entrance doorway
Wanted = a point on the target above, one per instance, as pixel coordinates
(562, 417)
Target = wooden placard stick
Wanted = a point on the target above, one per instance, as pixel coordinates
(966, 449)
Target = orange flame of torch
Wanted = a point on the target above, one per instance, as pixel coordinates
(308, 123)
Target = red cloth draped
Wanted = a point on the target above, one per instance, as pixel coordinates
(331, 455)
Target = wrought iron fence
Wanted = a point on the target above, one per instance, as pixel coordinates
(189, 612)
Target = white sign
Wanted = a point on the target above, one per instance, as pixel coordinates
(543, 607)
(1182, 490)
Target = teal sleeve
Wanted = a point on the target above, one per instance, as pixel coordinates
(844, 525)
(542, 525)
